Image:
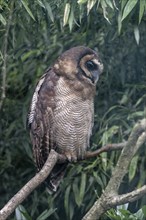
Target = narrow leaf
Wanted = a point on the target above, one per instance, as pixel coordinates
(76, 194)
(1, 55)
(119, 23)
(27, 9)
(80, 2)
(41, 3)
(104, 6)
(141, 9)
(144, 210)
(49, 10)
(2, 19)
(136, 35)
(71, 19)
(19, 213)
(109, 3)
(45, 214)
(123, 3)
(128, 8)
(82, 187)
(90, 5)
(66, 13)
(66, 200)
(133, 167)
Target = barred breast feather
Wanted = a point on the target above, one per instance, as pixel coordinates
(73, 121)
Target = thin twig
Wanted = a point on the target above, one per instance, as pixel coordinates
(91, 154)
(107, 148)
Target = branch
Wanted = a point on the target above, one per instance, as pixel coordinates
(110, 196)
(102, 204)
(30, 186)
(106, 202)
(53, 158)
(91, 154)
(107, 148)
(130, 197)
(5, 56)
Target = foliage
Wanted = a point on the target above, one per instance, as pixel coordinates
(37, 33)
(122, 213)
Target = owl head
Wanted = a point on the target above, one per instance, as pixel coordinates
(80, 63)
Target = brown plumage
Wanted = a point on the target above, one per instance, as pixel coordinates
(62, 110)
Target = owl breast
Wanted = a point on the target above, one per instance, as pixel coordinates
(73, 121)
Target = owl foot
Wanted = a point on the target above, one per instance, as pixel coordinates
(71, 157)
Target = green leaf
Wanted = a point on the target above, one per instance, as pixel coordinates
(139, 214)
(66, 13)
(41, 3)
(123, 3)
(1, 55)
(104, 8)
(98, 179)
(49, 10)
(2, 19)
(71, 19)
(109, 3)
(76, 193)
(46, 214)
(128, 8)
(133, 167)
(119, 22)
(144, 210)
(80, 2)
(26, 215)
(25, 4)
(28, 54)
(141, 9)
(21, 214)
(66, 200)
(82, 187)
(136, 35)
(90, 5)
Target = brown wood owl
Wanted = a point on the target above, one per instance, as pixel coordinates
(62, 109)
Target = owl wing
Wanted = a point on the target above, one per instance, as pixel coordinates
(40, 121)
(40, 118)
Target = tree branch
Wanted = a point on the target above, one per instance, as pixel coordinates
(30, 186)
(91, 154)
(130, 197)
(53, 158)
(110, 197)
(105, 202)
(107, 148)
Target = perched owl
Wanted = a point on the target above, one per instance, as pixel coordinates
(62, 109)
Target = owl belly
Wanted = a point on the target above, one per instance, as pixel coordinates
(73, 120)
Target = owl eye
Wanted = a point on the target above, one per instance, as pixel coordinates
(91, 65)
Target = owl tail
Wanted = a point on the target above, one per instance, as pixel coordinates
(55, 177)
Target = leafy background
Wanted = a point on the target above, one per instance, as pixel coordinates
(33, 34)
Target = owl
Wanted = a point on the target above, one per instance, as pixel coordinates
(61, 113)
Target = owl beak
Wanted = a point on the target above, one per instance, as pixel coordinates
(95, 76)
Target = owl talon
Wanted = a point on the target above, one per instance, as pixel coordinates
(71, 158)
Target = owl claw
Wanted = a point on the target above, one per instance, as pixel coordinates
(71, 158)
